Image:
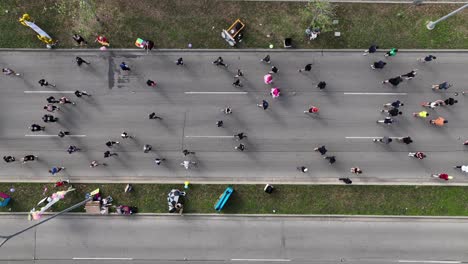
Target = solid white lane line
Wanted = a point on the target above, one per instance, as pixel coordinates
(376, 93)
(41, 92)
(362, 137)
(430, 261)
(209, 136)
(216, 92)
(102, 258)
(42, 135)
(271, 260)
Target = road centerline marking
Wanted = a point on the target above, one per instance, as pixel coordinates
(349, 93)
(209, 136)
(263, 260)
(42, 92)
(216, 92)
(102, 258)
(430, 261)
(45, 135)
(362, 137)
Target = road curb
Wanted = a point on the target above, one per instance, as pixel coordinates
(215, 215)
(331, 182)
(157, 51)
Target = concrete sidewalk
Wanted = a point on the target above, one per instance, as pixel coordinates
(316, 181)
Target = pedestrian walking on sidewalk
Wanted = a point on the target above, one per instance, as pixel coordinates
(80, 61)
(111, 143)
(395, 104)
(227, 110)
(266, 59)
(55, 170)
(346, 180)
(124, 66)
(274, 70)
(8, 71)
(188, 164)
(372, 49)
(240, 136)
(65, 100)
(36, 128)
(158, 161)
(29, 158)
(442, 176)
(71, 149)
(385, 140)
(321, 85)
(51, 108)
(180, 61)
(392, 112)
(95, 163)
(406, 140)
(421, 114)
(219, 62)
(187, 152)
(378, 65)
(239, 73)
(52, 100)
(391, 53)
(8, 159)
(241, 147)
(307, 68)
(125, 135)
(450, 101)
(81, 93)
(321, 149)
(441, 86)
(151, 83)
(147, 148)
(387, 121)
(312, 110)
(428, 58)
(43, 82)
(263, 105)
(237, 83)
(434, 104)
(410, 75)
(331, 159)
(108, 154)
(463, 168)
(63, 133)
(440, 121)
(418, 155)
(154, 116)
(393, 81)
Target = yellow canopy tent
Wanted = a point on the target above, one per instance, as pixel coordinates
(42, 35)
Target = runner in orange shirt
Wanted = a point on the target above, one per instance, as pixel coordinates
(440, 121)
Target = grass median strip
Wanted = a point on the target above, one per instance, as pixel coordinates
(175, 23)
(250, 199)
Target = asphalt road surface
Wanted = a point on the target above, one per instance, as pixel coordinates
(189, 98)
(194, 239)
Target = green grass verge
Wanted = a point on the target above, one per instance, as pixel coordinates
(175, 23)
(250, 199)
